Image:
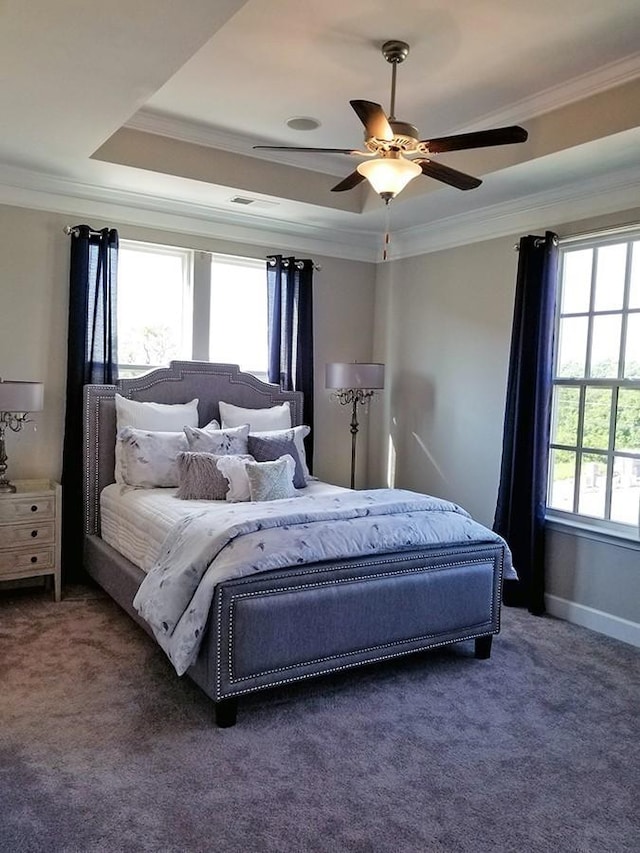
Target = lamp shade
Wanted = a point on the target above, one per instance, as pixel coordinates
(389, 175)
(354, 375)
(21, 396)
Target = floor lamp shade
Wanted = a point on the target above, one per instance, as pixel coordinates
(354, 375)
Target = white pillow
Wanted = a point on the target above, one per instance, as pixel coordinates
(275, 417)
(299, 435)
(158, 417)
(233, 468)
(149, 459)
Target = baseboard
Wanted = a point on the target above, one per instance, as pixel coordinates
(596, 620)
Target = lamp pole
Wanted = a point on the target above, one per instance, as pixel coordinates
(353, 397)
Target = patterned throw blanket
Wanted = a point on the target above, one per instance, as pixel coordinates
(239, 539)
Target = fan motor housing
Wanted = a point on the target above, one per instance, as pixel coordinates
(405, 138)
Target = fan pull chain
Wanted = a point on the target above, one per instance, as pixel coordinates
(387, 232)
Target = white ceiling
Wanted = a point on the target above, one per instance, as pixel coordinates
(149, 110)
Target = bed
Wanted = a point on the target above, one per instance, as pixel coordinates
(296, 621)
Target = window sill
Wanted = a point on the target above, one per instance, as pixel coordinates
(584, 530)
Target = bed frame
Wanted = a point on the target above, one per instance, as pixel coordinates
(284, 626)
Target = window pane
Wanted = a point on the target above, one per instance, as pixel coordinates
(597, 418)
(632, 354)
(576, 283)
(562, 474)
(605, 345)
(238, 328)
(564, 426)
(154, 309)
(572, 346)
(625, 495)
(593, 485)
(610, 271)
(634, 292)
(628, 421)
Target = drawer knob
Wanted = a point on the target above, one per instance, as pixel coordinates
(34, 508)
(34, 533)
(34, 559)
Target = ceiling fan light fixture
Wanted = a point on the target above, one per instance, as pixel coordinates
(389, 175)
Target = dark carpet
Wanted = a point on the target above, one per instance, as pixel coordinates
(104, 748)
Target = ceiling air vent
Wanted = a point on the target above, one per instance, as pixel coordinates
(245, 201)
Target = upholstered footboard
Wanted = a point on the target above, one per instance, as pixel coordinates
(279, 627)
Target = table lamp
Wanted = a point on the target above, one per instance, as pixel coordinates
(17, 400)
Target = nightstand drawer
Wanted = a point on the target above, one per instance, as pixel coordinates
(27, 535)
(26, 508)
(33, 558)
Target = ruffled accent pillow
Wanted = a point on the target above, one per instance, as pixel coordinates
(234, 469)
(149, 459)
(271, 481)
(267, 447)
(223, 442)
(201, 478)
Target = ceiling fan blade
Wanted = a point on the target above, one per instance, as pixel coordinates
(447, 175)
(374, 118)
(296, 148)
(477, 139)
(348, 183)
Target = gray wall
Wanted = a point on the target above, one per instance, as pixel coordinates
(443, 327)
(34, 276)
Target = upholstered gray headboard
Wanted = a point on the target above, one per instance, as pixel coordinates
(178, 383)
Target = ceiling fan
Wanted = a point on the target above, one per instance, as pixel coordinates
(391, 145)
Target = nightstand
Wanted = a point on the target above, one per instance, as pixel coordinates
(30, 539)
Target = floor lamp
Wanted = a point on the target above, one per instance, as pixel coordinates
(353, 384)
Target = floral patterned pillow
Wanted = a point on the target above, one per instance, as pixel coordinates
(149, 459)
(222, 442)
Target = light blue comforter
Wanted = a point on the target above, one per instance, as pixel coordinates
(238, 539)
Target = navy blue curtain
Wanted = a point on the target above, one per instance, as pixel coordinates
(91, 358)
(290, 312)
(520, 510)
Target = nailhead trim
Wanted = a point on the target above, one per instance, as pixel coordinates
(351, 664)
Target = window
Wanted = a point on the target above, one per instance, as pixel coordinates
(176, 303)
(594, 464)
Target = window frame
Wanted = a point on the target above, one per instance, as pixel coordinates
(197, 293)
(601, 528)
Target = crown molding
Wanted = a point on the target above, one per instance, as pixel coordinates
(23, 188)
(617, 191)
(556, 97)
(197, 133)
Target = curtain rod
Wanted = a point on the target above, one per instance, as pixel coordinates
(74, 230)
(285, 263)
(617, 231)
(539, 241)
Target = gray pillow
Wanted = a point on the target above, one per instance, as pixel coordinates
(268, 448)
(271, 481)
(220, 441)
(200, 479)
